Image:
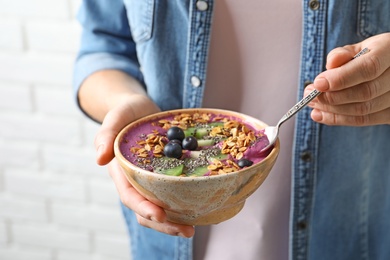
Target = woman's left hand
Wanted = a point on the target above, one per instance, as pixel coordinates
(357, 92)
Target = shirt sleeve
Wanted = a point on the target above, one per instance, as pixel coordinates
(106, 41)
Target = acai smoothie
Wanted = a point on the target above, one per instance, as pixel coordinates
(199, 144)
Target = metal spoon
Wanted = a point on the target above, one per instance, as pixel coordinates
(272, 132)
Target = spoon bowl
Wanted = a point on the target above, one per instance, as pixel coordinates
(272, 133)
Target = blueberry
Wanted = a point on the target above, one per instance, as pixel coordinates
(173, 150)
(175, 141)
(190, 143)
(244, 163)
(175, 133)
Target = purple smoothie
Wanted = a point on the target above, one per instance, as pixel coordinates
(137, 148)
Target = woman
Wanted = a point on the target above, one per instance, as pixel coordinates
(140, 57)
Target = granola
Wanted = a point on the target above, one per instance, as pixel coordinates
(221, 143)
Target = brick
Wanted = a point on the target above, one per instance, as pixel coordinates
(76, 160)
(51, 237)
(75, 5)
(48, 174)
(40, 128)
(16, 253)
(15, 96)
(103, 192)
(3, 235)
(62, 36)
(110, 257)
(19, 154)
(37, 67)
(67, 255)
(12, 36)
(31, 184)
(35, 8)
(90, 129)
(22, 209)
(104, 219)
(112, 245)
(53, 100)
(1, 181)
(44, 185)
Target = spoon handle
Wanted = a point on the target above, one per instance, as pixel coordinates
(298, 106)
(303, 102)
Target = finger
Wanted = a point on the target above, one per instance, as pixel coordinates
(356, 109)
(365, 68)
(340, 56)
(131, 109)
(148, 214)
(131, 198)
(327, 118)
(113, 122)
(361, 93)
(169, 228)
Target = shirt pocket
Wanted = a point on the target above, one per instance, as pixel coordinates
(140, 14)
(374, 17)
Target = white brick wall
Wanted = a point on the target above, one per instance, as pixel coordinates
(55, 202)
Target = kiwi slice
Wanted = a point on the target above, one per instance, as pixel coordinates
(215, 124)
(194, 154)
(220, 157)
(175, 171)
(200, 132)
(199, 171)
(168, 166)
(189, 131)
(206, 142)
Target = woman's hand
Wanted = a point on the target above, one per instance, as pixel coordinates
(357, 92)
(117, 99)
(148, 214)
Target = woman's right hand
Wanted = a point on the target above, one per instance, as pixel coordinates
(148, 214)
(117, 99)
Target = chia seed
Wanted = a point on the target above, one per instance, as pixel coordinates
(191, 164)
(165, 163)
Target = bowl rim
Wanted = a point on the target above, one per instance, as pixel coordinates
(122, 160)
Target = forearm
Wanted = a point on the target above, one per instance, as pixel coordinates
(105, 89)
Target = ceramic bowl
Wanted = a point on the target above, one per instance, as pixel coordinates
(197, 200)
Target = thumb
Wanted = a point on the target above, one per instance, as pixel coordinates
(115, 120)
(340, 56)
(112, 124)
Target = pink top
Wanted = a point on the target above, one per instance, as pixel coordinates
(253, 68)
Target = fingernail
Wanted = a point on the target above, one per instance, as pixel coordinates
(321, 84)
(99, 150)
(155, 220)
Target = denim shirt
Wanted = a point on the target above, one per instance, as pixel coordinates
(341, 175)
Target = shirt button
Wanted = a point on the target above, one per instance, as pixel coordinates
(202, 5)
(314, 4)
(301, 225)
(307, 83)
(306, 156)
(195, 81)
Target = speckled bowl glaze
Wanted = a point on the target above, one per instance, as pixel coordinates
(197, 200)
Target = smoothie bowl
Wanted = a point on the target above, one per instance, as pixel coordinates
(200, 165)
